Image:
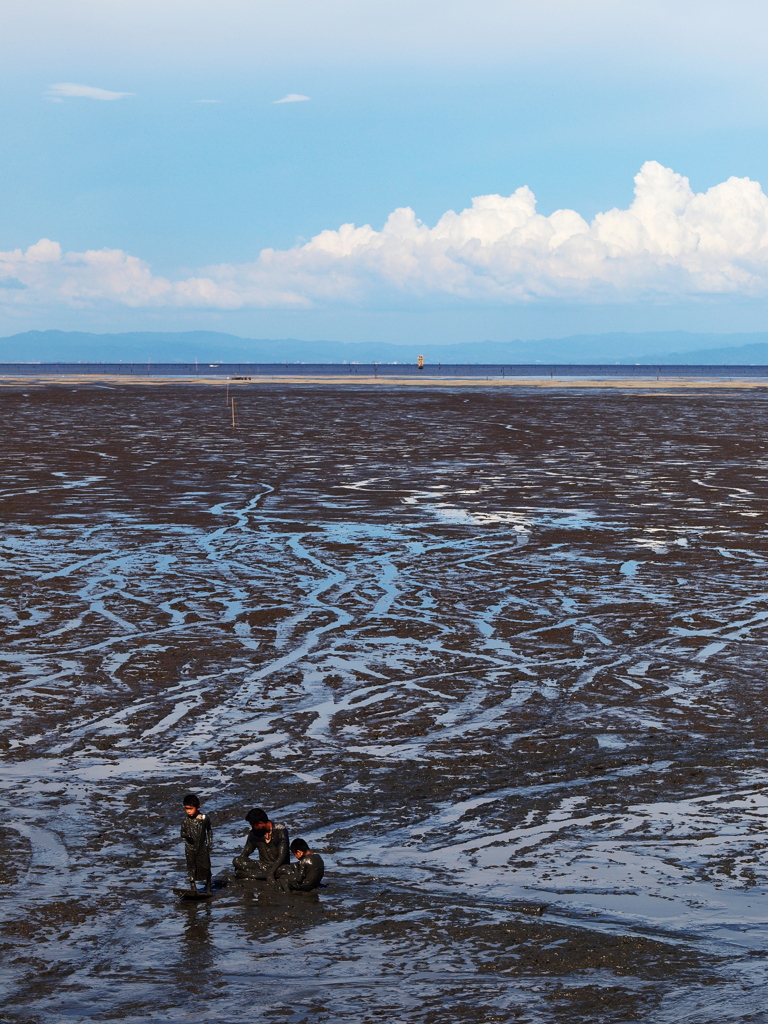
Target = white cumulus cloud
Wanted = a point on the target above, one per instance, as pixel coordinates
(292, 97)
(70, 90)
(670, 244)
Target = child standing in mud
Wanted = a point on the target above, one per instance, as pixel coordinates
(197, 834)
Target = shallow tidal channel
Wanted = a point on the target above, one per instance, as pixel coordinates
(498, 655)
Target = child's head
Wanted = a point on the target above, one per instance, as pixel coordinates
(257, 818)
(299, 847)
(191, 804)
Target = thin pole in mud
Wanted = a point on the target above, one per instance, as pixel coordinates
(233, 413)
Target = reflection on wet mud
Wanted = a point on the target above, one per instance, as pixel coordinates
(498, 655)
(196, 958)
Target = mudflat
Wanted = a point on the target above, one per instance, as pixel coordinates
(697, 381)
(498, 653)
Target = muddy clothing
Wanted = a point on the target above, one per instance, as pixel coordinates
(198, 841)
(272, 855)
(303, 876)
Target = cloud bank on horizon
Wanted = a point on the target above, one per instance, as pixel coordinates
(670, 244)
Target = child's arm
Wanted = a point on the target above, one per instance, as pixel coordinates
(281, 855)
(250, 844)
(310, 872)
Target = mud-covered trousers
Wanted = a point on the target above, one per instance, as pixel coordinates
(247, 868)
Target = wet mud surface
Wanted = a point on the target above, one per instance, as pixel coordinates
(498, 655)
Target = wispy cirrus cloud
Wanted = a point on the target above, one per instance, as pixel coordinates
(670, 244)
(292, 97)
(71, 90)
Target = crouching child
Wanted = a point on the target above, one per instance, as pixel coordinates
(306, 874)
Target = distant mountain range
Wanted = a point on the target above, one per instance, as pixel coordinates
(661, 347)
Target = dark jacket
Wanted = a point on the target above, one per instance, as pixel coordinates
(308, 873)
(272, 854)
(198, 842)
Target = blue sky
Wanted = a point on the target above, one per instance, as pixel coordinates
(416, 105)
